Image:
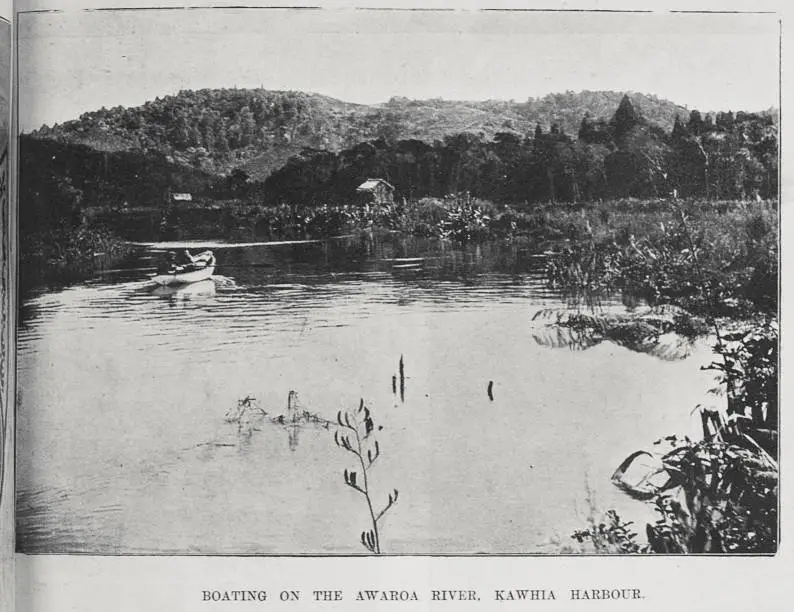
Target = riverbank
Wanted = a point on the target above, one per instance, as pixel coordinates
(629, 245)
(455, 217)
(68, 254)
(711, 269)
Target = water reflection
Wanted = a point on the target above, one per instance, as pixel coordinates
(665, 332)
(148, 449)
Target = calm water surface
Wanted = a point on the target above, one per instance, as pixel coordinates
(123, 445)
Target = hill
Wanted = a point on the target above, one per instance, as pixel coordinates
(218, 130)
(724, 156)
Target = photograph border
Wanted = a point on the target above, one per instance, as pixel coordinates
(14, 170)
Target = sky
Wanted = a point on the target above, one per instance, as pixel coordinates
(77, 61)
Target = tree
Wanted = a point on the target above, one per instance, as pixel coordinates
(221, 141)
(625, 119)
(695, 125)
(247, 126)
(679, 132)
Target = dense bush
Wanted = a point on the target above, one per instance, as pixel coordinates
(707, 258)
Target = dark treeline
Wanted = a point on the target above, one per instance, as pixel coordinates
(59, 180)
(724, 156)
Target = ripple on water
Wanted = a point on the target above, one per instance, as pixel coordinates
(124, 386)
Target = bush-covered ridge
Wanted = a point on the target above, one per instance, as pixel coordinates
(257, 130)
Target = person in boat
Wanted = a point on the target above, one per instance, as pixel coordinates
(185, 261)
(169, 265)
(185, 258)
(177, 262)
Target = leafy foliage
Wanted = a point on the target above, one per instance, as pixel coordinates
(612, 535)
(719, 497)
(718, 494)
(748, 368)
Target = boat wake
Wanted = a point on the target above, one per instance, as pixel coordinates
(210, 244)
(224, 281)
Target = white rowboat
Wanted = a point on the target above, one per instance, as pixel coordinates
(186, 291)
(202, 269)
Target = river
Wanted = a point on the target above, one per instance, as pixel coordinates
(123, 443)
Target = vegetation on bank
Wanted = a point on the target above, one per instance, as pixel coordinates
(454, 217)
(710, 258)
(68, 253)
(719, 493)
(632, 245)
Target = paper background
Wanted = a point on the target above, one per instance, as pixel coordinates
(88, 584)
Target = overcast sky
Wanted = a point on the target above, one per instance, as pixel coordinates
(75, 62)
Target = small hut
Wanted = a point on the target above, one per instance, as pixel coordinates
(375, 191)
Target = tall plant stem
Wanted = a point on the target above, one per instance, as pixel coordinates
(359, 453)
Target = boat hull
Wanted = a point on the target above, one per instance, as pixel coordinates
(188, 291)
(184, 278)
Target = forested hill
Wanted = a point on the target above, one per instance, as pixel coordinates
(258, 130)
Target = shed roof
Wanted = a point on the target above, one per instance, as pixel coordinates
(371, 183)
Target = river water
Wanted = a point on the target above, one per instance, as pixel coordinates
(124, 445)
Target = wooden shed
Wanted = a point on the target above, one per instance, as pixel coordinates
(375, 191)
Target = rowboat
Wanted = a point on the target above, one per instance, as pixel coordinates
(186, 292)
(202, 268)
